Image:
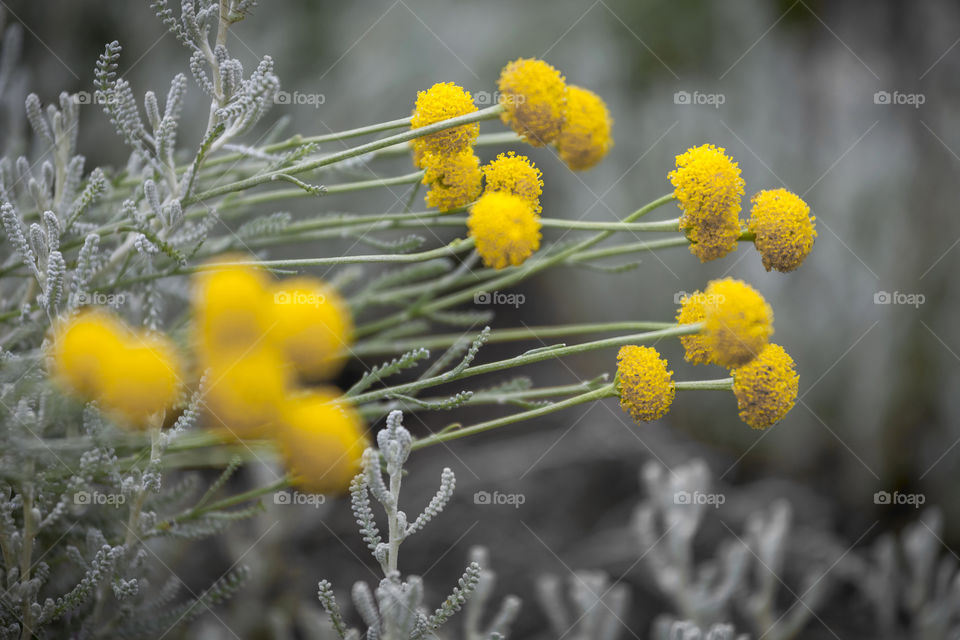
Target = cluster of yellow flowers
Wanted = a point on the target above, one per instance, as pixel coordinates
(709, 190)
(542, 108)
(737, 325)
(134, 375)
(260, 342)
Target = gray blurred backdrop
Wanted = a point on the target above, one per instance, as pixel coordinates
(879, 408)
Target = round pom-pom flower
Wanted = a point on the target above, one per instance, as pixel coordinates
(244, 395)
(783, 229)
(515, 174)
(766, 387)
(83, 347)
(230, 314)
(708, 189)
(455, 180)
(645, 384)
(692, 310)
(585, 136)
(321, 441)
(534, 97)
(443, 101)
(312, 326)
(505, 228)
(738, 322)
(142, 380)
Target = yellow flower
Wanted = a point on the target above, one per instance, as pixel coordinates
(766, 387)
(443, 101)
(322, 441)
(230, 311)
(534, 96)
(142, 380)
(585, 136)
(708, 188)
(312, 326)
(243, 394)
(455, 180)
(82, 348)
(515, 174)
(646, 386)
(692, 310)
(738, 322)
(505, 228)
(783, 227)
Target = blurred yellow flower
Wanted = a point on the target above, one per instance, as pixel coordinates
(243, 395)
(585, 137)
(515, 174)
(783, 227)
(534, 96)
(506, 229)
(455, 180)
(311, 325)
(708, 188)
(738, 322)
(230, 310)
(645, 384)
(82, 348)
(443, 101)
(321, 441)
(766, 387)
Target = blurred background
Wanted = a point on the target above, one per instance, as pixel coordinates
(852, 105)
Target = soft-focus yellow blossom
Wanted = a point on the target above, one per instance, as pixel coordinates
(322, 442)
(506, 229)
(231, 314)
(646, 386)
(515, 174)
(311, 325)
(534, 97)
(766, 387)
(783, 227)
(142, 380)
(244, 394)
(455, 180)
(443, 101)
(82, 347)
(708, 188)
(585, 136)
(692, 310)
(738, 322)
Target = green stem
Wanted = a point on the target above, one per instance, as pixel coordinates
(234, 500)
(722, 384)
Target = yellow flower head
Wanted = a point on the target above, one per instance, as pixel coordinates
(783, 227)
(585, 136)
(515, 174)
(692, 309)
(766, 387)
(443, 101)
(646, 386)
(82, 348)
(738, 322)
(244, 394)
(708, 188)
(230, 314)
(534, 96)
(455, 180)
(322, 441)
(506, 229)
(142, 380)
(311, 325)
